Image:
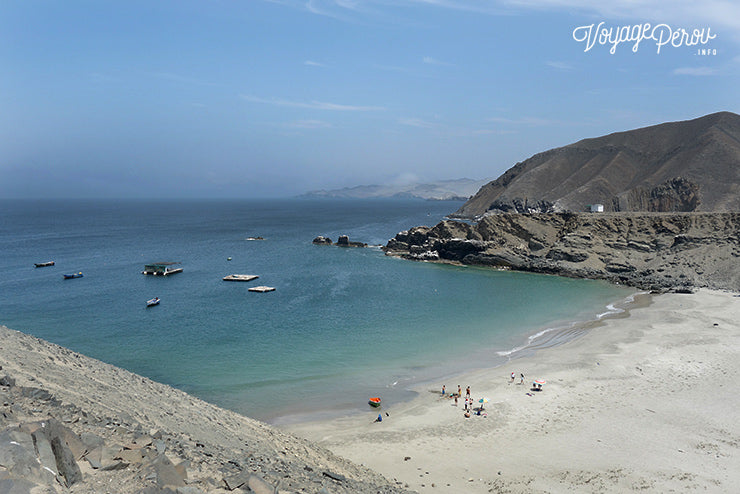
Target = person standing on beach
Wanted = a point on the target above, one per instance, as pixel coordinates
(455, 400)
(459, 391)
(443, 389)
(522, 381)
(467, 392)
(512, 377)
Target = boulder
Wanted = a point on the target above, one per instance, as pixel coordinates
(321, 240)
(18, 457)
(165, 472)
(7, 381)
(66, 464)
(45, 453)
(259, 486)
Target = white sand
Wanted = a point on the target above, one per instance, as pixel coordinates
(647, 402)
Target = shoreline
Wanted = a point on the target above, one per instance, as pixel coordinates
(644, 401)
(553, 335)
(542, 340)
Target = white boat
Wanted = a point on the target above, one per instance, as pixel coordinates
(152, 302)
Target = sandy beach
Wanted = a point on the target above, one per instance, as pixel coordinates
(644, 402)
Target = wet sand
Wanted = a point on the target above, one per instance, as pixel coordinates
(644, 402)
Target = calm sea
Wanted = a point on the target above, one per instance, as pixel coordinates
(343, 324)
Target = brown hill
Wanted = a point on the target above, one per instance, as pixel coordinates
(692, 165)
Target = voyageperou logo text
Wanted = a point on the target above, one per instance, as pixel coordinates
(661, 34)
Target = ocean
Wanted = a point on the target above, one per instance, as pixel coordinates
(343, 324)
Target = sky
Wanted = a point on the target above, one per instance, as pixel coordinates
(272, 98)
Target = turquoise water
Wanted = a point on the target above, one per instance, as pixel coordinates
(343, 324)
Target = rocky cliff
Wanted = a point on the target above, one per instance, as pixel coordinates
(648, 250)
(684, 166)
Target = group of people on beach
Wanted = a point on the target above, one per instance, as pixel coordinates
(468, 399)
(513, 378)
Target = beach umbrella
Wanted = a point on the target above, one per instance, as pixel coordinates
(538, 383)
(482, 401)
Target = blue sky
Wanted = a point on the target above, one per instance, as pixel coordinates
(258, 98)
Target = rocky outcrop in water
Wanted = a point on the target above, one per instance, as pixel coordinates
(342, 241)
(657, 251)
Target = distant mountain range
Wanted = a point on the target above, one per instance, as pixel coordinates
(692, 165)
(444, 190)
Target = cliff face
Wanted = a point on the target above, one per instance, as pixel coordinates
(648, 250)
(673, 167)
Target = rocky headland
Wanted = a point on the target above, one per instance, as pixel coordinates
(655, 208)
(72, 424)
(656, 251)
(692, 165)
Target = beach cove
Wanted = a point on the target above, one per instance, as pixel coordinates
(633, 400)
(293, 354)
(644, 402)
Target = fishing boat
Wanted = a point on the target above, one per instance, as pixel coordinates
(152, 302)
(43, 264)
(374, 402)
(73, 275)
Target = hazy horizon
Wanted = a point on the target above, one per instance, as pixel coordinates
(275, 98)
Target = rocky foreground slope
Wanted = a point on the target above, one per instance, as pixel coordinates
(71, 424)
(658, 251)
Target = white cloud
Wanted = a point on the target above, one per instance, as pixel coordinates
(311, 63)
(395, 68)
(416, 122)
(715, 14)
(313, 105)
(559, 65)
(487, 132)
(528, 121)
(434, 61)
(695, 71)
(407, 178)
(182, 79)
(688, 13)
(308, 124)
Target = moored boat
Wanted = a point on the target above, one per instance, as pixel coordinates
(152, 302)
(374, 402)
(240, 277)
(43, 264)
(73, 275)
(162, 268)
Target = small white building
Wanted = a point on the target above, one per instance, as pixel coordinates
(597, 208)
